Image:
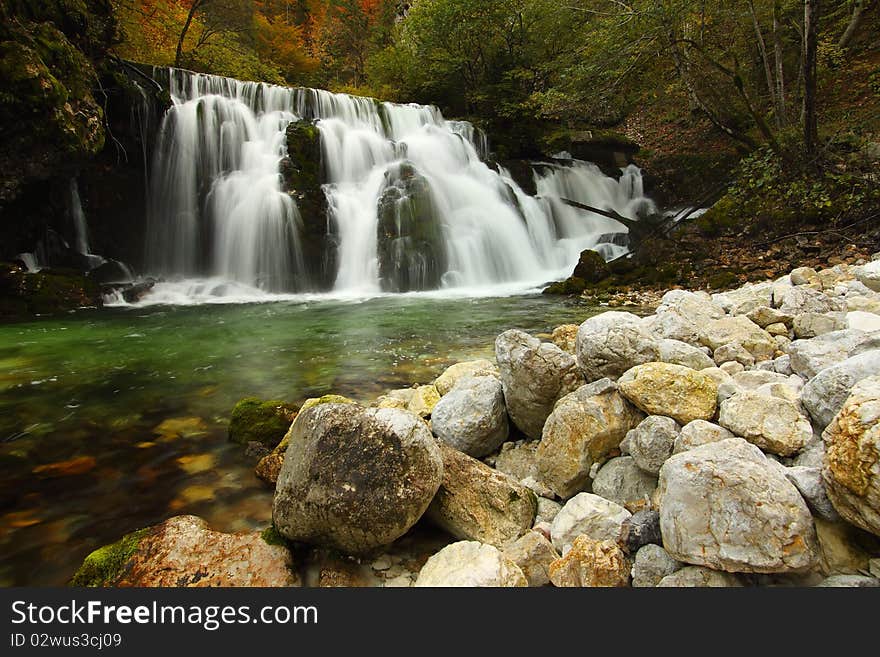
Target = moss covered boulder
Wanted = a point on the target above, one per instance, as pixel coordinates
(184, 552)
(256, 420)
(47, 292)
(270, 465)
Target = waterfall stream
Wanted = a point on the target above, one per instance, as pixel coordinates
(411, 203)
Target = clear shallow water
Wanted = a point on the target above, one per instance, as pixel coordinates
(114, 420)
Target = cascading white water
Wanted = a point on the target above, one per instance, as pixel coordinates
(412, 204)
(80, 227)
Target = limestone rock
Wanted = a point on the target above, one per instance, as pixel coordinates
(733, 353)
(470, 564)
(423, 401)
(800, 300)
(824, 395)
(534, 554)
(611, 343)
(811, 325)
(869, 275)
(584, 428)
(811, 486)
(809, 357)
(804, 276)
(588, 514)
(672, 325)
(622, 481)
(850, 581)
(671, 390)
(547, 510)
(676, 352)
(864, 321)
(518, 460)
(477, 503)
(699, 577)
(534, 376)
(719, 332)
(726, 506)
(355, 479)
(481, 367)
(651, 443)
(852, 457)
(651, 565)
(591, 563)
(565, 337)
(471, 417)
(775, 425)
(699, 432)
(765, 316)
(183, 552)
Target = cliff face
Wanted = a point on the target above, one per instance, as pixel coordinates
(50, 118)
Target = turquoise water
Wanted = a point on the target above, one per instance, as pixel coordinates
(114, 420)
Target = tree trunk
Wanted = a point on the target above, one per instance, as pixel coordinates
(812, 9)
(858, 12)
(189, 18)
(780, 67)
(768, 74)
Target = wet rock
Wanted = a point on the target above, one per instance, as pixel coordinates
(588, 514)
(591, 563)
(534, 554)
(534, 375)
(475, 502)
(584, 428)
(652, 563)
(671, 390)
(472, 417)
(470, 564)
(775, 425)
(355, 479)
(451, 375)
(622, 481)
(184, 552)
(824, 395)
(726, 506)
(852, 457)
(261, 421)
(699, 432)
(270, 465)
(642, 528)
(699, 577)
(651, 442)
(613, 342)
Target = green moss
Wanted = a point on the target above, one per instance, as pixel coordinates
(271, 536)
(103, 565)
(261, 421)
(326, 399)
(570, 286)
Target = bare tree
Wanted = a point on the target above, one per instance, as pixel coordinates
(812, 13)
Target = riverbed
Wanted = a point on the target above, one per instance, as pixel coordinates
(115, 419)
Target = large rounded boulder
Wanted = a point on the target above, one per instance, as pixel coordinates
(613, 342)
(472, 416)
(355, 479)
(534, 375)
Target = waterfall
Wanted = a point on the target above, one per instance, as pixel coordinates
(411, 202)
(80, 227)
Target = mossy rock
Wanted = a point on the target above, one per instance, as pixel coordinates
(591, 267)
(271, 536)
(103, 566)
(569, 287)
(256, 420)
(47, 292)
(723, 280)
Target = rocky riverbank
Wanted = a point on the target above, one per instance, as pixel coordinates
(724, 440)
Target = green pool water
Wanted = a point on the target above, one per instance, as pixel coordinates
(116, 419)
